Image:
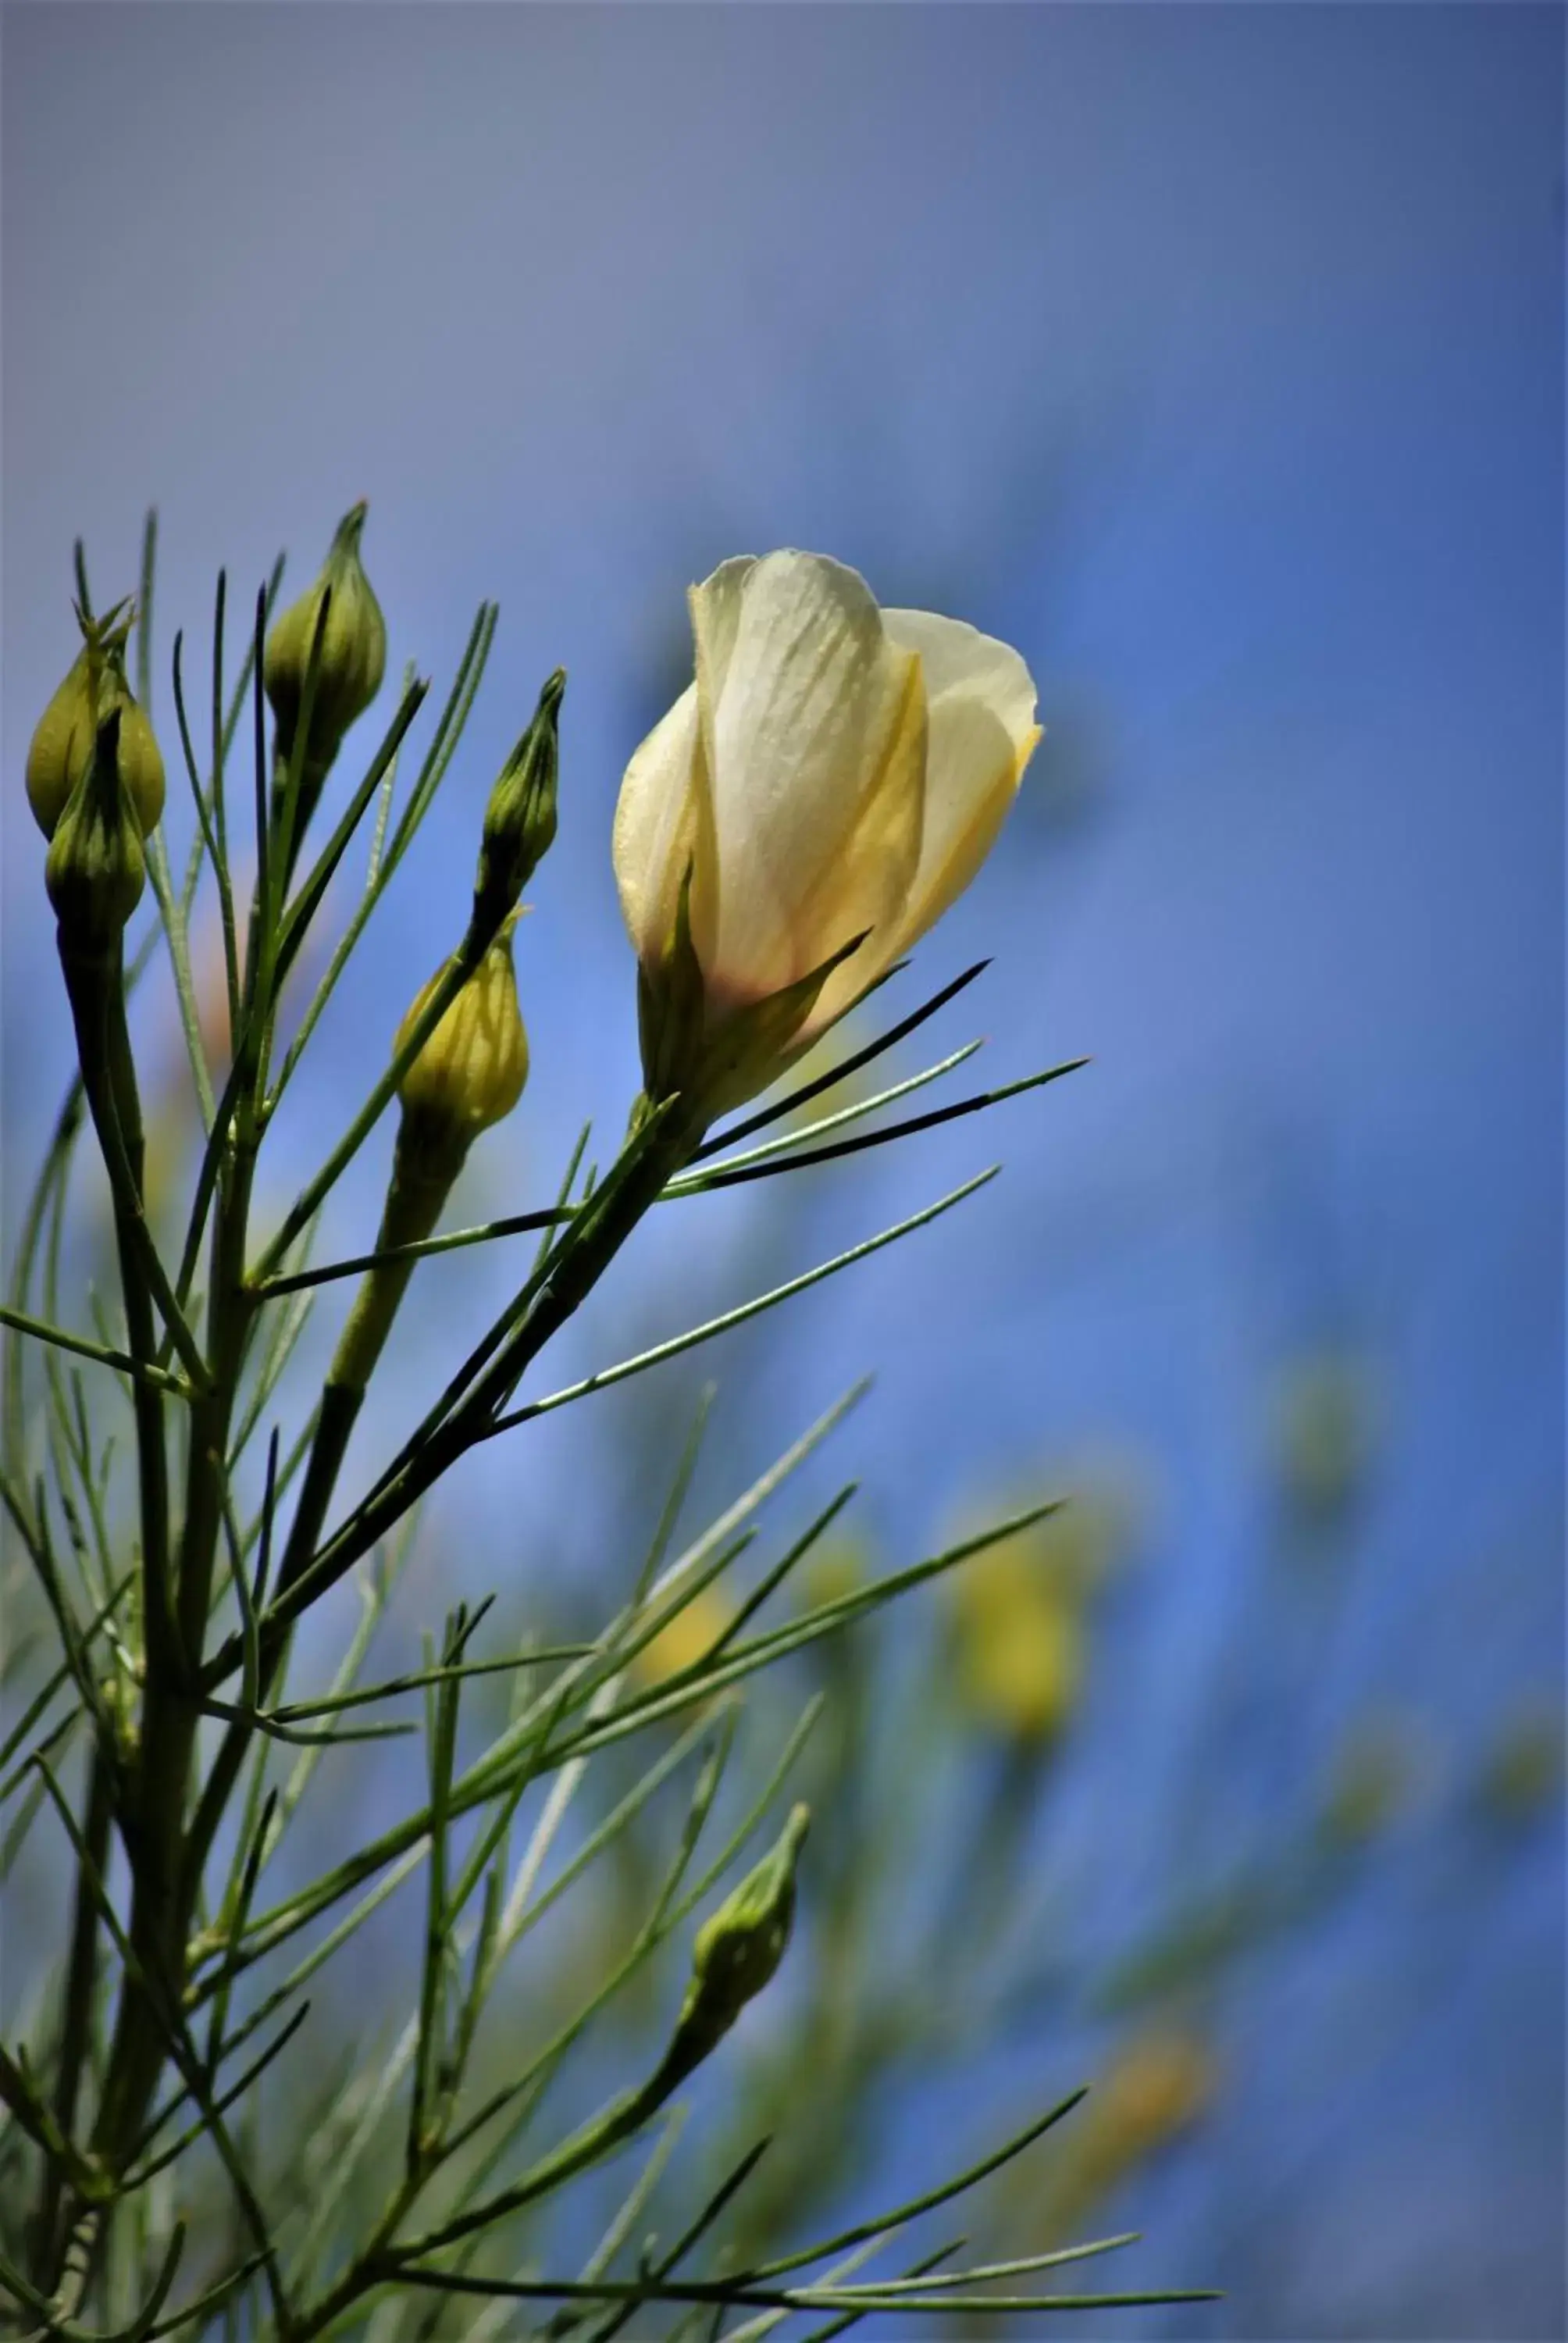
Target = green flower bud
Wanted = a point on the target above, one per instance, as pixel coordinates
(353, 651)
(471, 1070)
(738, 1949)
(62, 746)
(521, 819)
(96, 868)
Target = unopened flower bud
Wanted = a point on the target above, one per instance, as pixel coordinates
(62, 746)
(471, 1070)
(353, 656)
(96, 868)
(739, 1949)
(521, 819)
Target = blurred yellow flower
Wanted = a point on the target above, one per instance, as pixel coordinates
(1019, 1613)
(683, 1640)
(1020, 1642)
(832, 1568)
(1157, 2087)
(833, 772)
(1024, 1676)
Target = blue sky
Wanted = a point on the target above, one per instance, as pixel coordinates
(1213, 355)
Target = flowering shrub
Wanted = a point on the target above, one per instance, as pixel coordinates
(829, 784)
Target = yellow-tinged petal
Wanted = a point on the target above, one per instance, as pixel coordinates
(805, 725)
(832, 780)
(959, 658)
(973, 773)
(982, 735)
(656, 825)
(866, 891)
(715, 608)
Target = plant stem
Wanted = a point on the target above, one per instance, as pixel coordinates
(77, 2020)
(382, 2261)
(591, 1244)
(413, 1205)
(95, 987)
(164, 1881)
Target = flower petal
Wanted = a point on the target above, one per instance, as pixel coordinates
(982, 735)
(656, 826)
(805, 728)
(958, 658)
(867, 891)
(973, 773)
(715, 608)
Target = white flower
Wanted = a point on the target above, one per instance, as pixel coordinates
(835, 772)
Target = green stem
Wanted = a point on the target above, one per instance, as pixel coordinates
(415, 1196)
(288, 833)
(152, 1457)
(413, 1205)
(592, 1243)
(55, 1168)
(163, 1880)
(454, 975)
(18, 1322)
(382, 2262)
(95, 987)
(76, 2022)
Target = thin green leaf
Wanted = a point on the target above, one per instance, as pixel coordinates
(692, 1182)
(899, 2215)
(606, 1376)
(81, 1348)
(777, 1108)
(724, 1178)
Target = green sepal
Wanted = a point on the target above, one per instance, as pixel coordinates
(717, 1065)
(753, 1046)
(669, 1010)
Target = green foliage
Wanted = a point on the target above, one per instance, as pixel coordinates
(188, 2145)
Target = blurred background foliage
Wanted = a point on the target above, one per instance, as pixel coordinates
(1215, 358)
